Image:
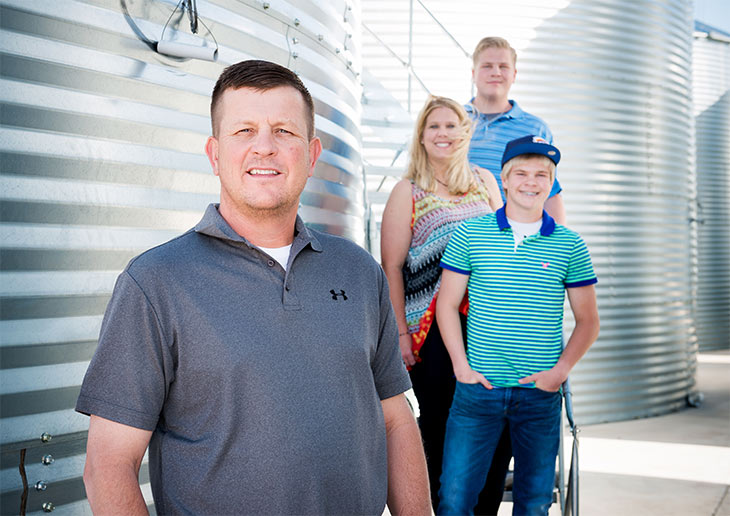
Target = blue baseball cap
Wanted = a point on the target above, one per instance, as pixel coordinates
(530, 144)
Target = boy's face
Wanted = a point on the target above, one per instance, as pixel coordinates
(528, 184)
(494, 72)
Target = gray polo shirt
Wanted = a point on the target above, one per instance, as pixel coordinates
(262, 387)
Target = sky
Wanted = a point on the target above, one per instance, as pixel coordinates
(714, 12)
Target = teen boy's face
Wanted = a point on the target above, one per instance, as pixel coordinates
(528, 185)
(494, 72)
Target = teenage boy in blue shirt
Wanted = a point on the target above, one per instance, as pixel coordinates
(517, 264)
(497, 118)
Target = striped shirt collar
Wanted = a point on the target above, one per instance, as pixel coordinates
(547, 228)
(515, 112)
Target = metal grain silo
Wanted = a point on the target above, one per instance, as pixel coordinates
(102, 157)
(613, 81)
(711, 96)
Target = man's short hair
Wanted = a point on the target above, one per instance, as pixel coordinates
(493, 42)
(260, 75)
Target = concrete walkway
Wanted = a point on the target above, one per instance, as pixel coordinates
(677, 464)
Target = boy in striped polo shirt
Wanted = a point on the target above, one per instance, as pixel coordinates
(517, 264)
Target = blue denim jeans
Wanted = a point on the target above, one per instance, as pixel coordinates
(475, 423)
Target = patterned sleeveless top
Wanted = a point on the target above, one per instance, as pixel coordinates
(433, 221)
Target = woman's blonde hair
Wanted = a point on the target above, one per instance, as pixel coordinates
(458, 174)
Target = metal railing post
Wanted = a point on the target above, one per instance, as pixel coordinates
(410, 52)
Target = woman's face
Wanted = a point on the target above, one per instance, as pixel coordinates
(441, 134)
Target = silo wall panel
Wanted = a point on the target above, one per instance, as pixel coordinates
(102, 144)
(711, 97)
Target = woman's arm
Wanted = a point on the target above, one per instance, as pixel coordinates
(395, 240)
(490, 183)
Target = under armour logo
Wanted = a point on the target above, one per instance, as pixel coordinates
(340, 293)
(545, 265)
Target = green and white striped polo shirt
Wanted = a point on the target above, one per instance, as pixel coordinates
(516, 295)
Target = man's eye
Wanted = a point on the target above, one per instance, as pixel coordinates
(283, 131)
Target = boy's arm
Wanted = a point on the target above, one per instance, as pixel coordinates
(451, 292)
(585, 311)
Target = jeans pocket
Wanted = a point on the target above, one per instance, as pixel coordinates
(547, 392)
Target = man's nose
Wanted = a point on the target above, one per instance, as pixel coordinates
(264, 143)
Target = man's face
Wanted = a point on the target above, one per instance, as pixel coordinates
(493, 73)
(262, 154)
(528, 184)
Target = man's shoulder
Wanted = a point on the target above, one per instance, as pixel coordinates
(339, 247)
(533, 119)
(526, 117)
(170, 254)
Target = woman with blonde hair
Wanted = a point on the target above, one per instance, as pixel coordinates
(439, 190)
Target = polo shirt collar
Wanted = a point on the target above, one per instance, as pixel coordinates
(515, 112)
(546, 229)
(213, 224)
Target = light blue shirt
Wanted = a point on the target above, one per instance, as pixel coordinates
(491, 136)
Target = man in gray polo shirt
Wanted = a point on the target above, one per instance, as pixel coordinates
(257, 358)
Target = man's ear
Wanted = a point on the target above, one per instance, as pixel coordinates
(315, 150)
(211, 149)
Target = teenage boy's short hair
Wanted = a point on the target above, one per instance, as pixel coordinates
(526, 148)
(509, 165)
(262, 76)
(493, 42)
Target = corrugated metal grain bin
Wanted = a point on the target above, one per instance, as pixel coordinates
(613, 81)
(102, 157)
(711, 96)
(616, 90)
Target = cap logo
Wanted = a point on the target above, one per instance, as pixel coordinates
(537, 139)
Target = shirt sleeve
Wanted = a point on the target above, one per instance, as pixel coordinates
(580, 269)
(456, 255)
(389, 371)
(128, 377)
(548, 135)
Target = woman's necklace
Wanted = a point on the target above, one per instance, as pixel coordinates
(441, 182)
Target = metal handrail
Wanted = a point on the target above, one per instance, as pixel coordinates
(392, 52)
(407, 64)
(446, 31)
